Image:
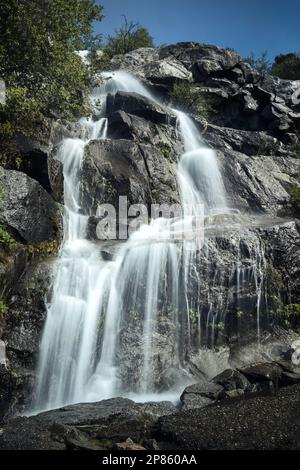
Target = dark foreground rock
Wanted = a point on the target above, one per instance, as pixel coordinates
(200, 395)
(265, 421)
(260, 422)
(86, 426)
(27, 210)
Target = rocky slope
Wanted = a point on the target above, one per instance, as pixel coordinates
(236, 410)
(255, 130)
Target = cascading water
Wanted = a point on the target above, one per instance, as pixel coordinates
(148, 282)
(200, 179)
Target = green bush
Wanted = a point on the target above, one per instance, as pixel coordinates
(43, 74)
(260, 63)
(287, 66)
(187, 98)
(128, 37)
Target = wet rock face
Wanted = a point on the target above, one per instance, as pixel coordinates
(30, 215)
(141, 172)
(23, 325)
(27, 309)
(260, 183)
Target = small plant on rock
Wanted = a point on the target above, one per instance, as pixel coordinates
(186, 97)
(295, 195)
(7, 243)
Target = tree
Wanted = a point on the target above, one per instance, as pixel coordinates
(287, 66)
(38, 64)
(128, 37)
(260, 63)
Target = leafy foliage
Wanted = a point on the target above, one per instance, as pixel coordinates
(128, 37)
(260, 63)
(42, 73)
(295, 195)
(288, 316)
(189, 99)
(287, 66)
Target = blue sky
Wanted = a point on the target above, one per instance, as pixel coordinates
(245, 25)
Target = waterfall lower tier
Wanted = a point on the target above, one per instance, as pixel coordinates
(139, 323)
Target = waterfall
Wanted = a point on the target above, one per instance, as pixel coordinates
(149, 281)
(199, 177)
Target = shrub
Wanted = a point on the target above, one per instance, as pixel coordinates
(128, 37)
(288, 316)
(260, 63)
(287, 66)
(187, 98)
(99, 59)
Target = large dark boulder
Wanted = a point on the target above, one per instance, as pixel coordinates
(191, 52)
(22, 329)
(113, 168)
(200, 395)
(231, 379)
(252, 143)
(27, 210)
(139, 105)
(27, 308)
(147, 65)
(86, 426)
(263, 374)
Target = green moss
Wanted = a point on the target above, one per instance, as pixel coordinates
(295, 148)
(7, 242)
(220, 326)
(288, 316)
(267, 150)
(43, 249)
(165, 150)
(3, 308)
(134, 315)
(294, 192)
(193, 315)
(2, 193)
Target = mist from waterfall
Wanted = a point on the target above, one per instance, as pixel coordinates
(149, 278)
